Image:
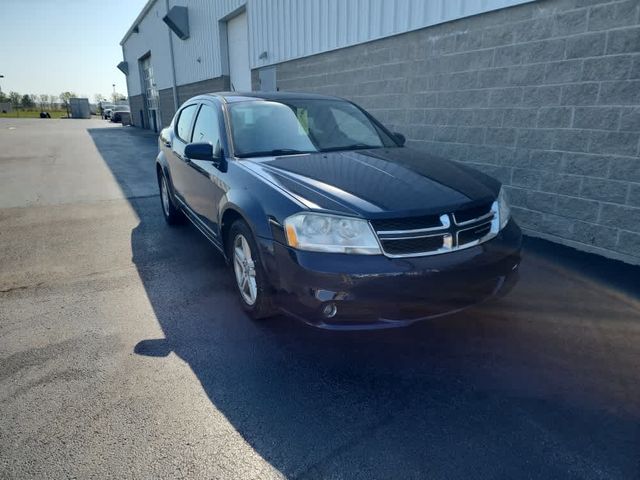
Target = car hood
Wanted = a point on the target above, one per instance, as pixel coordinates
(377, 182)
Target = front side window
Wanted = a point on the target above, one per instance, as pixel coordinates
(207, 127)
(184, 123)
(302, 126)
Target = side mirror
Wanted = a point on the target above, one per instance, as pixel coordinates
(400, 138)
(199, 151)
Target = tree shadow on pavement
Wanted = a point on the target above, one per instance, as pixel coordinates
(526, 387)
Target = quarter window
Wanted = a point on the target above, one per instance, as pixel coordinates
(184, 123)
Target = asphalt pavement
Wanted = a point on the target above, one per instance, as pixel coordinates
(124, 353)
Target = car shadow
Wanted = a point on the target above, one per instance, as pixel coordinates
(517, 388)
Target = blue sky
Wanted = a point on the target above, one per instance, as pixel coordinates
(49, 46)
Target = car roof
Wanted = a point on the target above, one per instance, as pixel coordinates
(233, 97)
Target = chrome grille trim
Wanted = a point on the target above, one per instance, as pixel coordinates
(479, 225)
(413, 237)
(444, 224)
(473, 220)
(447, 242)
(449, 238)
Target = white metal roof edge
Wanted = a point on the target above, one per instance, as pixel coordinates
(138, 19)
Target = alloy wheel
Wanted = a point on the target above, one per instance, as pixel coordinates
(165, 196)
(244, 268)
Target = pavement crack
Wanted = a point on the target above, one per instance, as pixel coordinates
(21, 287)
(314, 470)
(140, 197)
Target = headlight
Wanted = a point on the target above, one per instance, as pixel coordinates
(504, 212)
(330, 233)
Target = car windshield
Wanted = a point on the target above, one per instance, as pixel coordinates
(262, 128)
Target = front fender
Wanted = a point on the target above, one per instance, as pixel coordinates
(263, 205)
(163, 164)
(246, 206)
(161, 161)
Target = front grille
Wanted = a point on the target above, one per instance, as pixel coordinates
(408, 223)
(474, 233)
(412, 245)
(434, 234)
(468, 214)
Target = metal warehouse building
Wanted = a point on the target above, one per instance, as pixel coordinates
(544, 95)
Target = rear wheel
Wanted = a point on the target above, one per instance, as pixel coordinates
(251, 282)
(172, 215)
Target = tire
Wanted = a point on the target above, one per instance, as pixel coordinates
(172, 214)
(255, 297)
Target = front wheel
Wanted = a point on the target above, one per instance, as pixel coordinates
(251, 282)
(172, 215)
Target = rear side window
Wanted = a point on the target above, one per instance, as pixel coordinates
(184, 123)
(207, 128)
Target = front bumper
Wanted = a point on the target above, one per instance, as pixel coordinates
(380, 292)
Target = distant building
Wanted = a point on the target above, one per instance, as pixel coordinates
(79, 108)
(6, 107)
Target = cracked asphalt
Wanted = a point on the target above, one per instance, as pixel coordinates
(124, 354)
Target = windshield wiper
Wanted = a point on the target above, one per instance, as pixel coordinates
(274, 153)
(355, 146)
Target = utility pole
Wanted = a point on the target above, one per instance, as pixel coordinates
(114, 93)
(1, 76)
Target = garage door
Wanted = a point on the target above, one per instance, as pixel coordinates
(238, 41)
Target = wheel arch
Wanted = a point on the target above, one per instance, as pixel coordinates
(162, 164)
(162, 168)
(253, 217)
(230, 215)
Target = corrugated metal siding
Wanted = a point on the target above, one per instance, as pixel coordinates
(204, 40)
(152, 37)
(288, 29)
(203, 43)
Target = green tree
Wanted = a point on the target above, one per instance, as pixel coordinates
(14, 98)
(98, 98)
(116, 97)
(26, 101)
(3, 97)
(64, 100)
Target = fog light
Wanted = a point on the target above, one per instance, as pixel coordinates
(329, 310)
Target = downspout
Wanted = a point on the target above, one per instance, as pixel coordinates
(173, 65)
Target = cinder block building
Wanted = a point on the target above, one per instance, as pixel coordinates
(544, 95)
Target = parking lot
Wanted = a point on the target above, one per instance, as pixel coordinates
(124, 353)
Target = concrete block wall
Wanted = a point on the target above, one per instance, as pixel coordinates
(136, 103)
(544, 96)
(218, 84)
(167, 108)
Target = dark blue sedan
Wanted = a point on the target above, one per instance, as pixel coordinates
(325, 215)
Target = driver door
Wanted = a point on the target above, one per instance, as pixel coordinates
(177, 162)
(206, 181)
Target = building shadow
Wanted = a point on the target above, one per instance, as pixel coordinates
(528, 387)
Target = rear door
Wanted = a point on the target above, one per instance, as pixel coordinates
(181, 136)
(206, 181)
